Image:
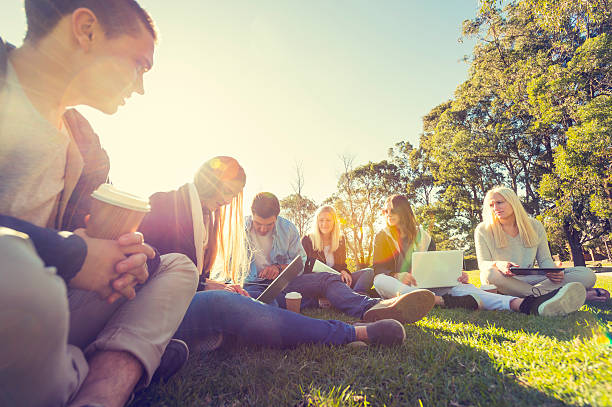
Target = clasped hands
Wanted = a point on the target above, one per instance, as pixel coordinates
(113, 268)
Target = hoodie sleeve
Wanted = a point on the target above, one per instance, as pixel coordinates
(63, 250)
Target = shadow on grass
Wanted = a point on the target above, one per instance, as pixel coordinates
(425, 369)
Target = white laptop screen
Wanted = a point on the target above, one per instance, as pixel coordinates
(437, 268)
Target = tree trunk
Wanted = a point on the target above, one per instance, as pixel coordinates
(573, 239)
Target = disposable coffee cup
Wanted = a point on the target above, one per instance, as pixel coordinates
(293, 301)
(115, 213)
(489, 287)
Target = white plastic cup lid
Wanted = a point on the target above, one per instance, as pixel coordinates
(293, 296)
(111, 195)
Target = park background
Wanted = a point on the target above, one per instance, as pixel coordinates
(348, 101)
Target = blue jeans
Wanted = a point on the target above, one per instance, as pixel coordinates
(255, 323)
(313, 286)
(362, 280)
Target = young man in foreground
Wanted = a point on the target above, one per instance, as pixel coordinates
(67, 333)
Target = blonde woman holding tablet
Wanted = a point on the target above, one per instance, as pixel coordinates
(508, 237)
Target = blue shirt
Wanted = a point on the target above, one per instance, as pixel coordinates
(286, 245)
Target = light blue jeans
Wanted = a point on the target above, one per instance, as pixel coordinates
(255, 323)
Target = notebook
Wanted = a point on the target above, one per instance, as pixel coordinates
(315, 266)
(281, 281)
(437, 268)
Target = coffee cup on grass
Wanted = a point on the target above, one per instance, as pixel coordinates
(293, 301)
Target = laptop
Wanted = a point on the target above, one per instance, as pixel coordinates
(437, 269)
(282, 281)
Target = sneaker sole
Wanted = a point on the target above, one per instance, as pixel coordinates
(569, 299)
(408, 308)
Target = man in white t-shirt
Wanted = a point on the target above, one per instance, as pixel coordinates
(68, 334)
(274, 242)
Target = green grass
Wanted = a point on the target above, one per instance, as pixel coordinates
(450, 358)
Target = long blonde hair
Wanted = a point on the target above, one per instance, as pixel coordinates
(229, 243)
(528, 234)
(315, 234)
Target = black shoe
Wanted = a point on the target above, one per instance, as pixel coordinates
(566, 299)
(470, 301)
(173, 359)
(382, 332)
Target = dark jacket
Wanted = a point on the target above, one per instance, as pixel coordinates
(387, 259)
(170, 225)
(67, 254)
(339, 254)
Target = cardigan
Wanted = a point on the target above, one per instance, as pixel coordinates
(339, 254)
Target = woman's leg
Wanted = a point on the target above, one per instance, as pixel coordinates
(362, 280)
(213, 312)
(389, 287)
(509, 285)
(490, 301)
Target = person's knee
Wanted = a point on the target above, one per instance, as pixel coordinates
(219, 302)
(181, 265)
(585, 275)
(491, 276)
(34, 325)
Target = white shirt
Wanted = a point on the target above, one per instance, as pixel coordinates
(262, 246)
(329, 256)
(32, 156)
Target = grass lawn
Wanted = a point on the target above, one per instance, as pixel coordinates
(450, 358)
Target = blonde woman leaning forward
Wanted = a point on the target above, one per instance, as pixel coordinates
(204, 218)
(326, 243)
(392, 262)
(508, 237)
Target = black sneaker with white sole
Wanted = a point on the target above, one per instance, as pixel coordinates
(469, 301)
(562, 301)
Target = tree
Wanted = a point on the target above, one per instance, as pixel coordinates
(296, 207)
(533, 115)
(359, 201)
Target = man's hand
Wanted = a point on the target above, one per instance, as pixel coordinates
(504, 267)
(133, 270)
(464, 278)
(98, 270)
(113, 268)
(270, 272)
(346, 277)
(555, 276)
(408, 279)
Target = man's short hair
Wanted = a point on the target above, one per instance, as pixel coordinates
(116, 17)
(265, 205)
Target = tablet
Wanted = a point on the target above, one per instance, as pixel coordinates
(534, 271)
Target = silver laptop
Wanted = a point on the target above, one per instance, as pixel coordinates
(282, 281)
(437, 269)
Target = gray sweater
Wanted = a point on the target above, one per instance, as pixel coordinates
(515, 251)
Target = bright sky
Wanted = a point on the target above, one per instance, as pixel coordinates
(275, 82)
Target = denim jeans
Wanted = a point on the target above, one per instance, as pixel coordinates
(313, 286)
(362, 280)
(255, 323)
